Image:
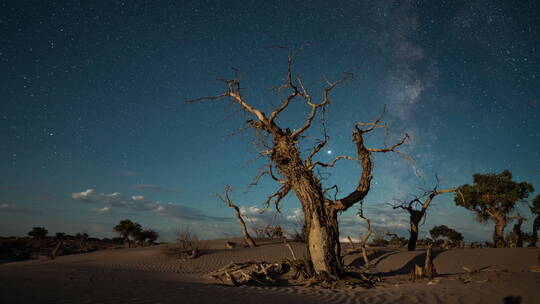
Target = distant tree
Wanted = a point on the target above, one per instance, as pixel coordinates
(417, 209)
(127, 228)
(144, 236)
(493, 197)
(449, 233)
(38, 233)
(535, 209)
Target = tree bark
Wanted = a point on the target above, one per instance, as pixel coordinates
(321, 221)
(413, 237)
(498, 234)
(536, 226)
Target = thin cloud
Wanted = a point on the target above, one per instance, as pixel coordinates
(156, 188)
(138, 203)
(12, 208)
(129, 173)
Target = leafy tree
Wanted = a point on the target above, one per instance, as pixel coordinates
(144, 236)
(449, 233)
(38, 233)
(535, 209)
(127, 228)
(492, 197)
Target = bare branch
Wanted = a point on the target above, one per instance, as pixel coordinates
(332, 163)
(316, 106)
(373, 125)
(233, 90)
(291, 96)
(247, 238)
(393, 148)
(276, 198)
(316, 150)
(335, 187)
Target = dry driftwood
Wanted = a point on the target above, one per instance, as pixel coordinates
(426, 272)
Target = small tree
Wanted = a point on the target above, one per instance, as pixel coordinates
(38, 233)
(449, 233)
(127, 228)
(535, 209)
(493, 197)
(417, 209)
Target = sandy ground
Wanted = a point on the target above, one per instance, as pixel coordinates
(147, 275)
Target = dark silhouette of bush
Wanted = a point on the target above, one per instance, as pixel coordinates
(38, 233)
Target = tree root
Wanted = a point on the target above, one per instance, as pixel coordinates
(288, 272)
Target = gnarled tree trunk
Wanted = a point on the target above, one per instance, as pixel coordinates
(413, 237)
(536, 226)
(320, 213)
(498, 233)
(321, 222)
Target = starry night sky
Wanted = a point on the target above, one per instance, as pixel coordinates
(95, 129)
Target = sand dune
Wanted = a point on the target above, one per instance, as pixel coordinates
(147, 275)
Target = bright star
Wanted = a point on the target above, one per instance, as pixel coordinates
(329, 151)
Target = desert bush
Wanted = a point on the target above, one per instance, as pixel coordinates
(268, 232)
(378, 239)
(396, 240)
(187, 245)
(300, 235)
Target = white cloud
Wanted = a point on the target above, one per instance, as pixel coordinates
(103, 210)
(139, 204)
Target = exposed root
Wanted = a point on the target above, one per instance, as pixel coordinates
(288, 272)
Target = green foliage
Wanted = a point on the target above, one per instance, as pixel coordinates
(127, 228)
(38, 233)
(492, 192)
(147, 235)
(449, 233)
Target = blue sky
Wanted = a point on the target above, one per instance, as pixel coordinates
(94, 128)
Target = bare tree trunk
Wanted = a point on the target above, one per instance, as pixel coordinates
(366, 236)
(429, 269)
(413, 237)
(321, 222)
(55, 251)
(536, 226)
(498, 234)
(247, 238)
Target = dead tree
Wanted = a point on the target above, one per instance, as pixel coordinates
(364, 241)
(299, 174)
(247, 238)
(417, 210)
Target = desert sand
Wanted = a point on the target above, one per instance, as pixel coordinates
(147, 275)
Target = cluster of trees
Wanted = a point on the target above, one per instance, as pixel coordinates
(491, 196)
(450, 234)
(131, 231)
